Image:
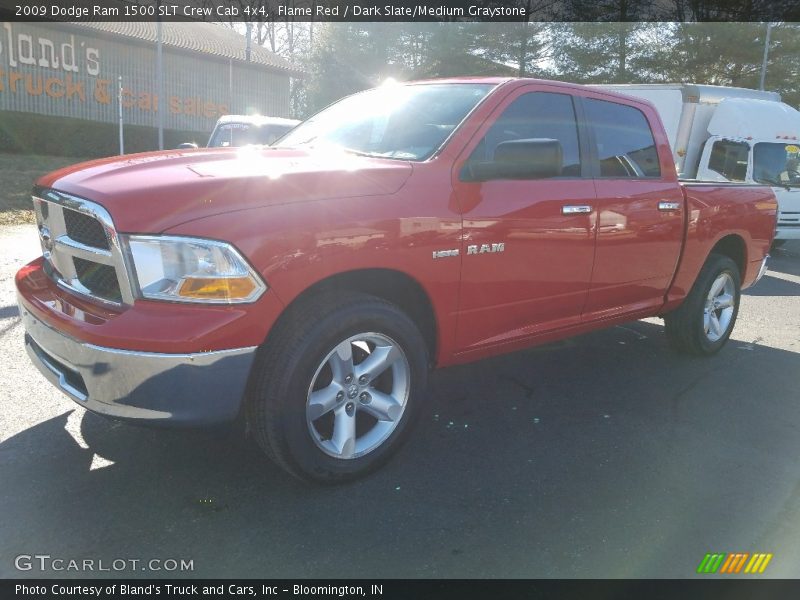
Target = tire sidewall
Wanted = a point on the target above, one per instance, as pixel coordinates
(335, 327)
(716, 267)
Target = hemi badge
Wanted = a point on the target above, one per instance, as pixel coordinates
(445, 253)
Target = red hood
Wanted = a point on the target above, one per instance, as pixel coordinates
(148, 193)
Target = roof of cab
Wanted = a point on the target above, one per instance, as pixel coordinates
(516, 81)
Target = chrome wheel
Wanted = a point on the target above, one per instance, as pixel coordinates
(719, 307)
(358, 395)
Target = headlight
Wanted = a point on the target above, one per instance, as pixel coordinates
(184, 269)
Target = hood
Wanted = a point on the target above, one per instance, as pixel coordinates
(151, 192)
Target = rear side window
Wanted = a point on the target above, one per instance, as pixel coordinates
(625, 144)
(534, 115)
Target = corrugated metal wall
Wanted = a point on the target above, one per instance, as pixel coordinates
(81, 82)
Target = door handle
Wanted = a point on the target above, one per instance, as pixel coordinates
(575, 210)
(669, 206)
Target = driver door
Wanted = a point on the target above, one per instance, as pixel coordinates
(528, 244)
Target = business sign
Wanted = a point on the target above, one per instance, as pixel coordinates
(73, 71)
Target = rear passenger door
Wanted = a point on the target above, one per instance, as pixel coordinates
(640, 209)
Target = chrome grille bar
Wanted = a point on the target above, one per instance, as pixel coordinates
(70, 246)
(60, 250)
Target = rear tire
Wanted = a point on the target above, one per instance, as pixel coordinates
(338, 386)
(777, 244)
(704, 322)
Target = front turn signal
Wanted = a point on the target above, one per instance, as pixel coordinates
(225, 289)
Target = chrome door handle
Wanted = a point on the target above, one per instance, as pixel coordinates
(669, 206)
(575, 210)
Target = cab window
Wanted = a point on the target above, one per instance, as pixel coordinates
(536, 115)
(623, 139)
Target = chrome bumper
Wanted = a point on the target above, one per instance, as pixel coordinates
(761, 271)
(153, 388)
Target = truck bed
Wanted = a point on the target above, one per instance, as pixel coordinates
(715, 211)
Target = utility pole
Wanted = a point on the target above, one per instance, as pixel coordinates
(119, 103)
(766, 54)
(247, 46)
(160, 77)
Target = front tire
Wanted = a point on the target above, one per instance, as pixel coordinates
(338, 386)
(704, 322)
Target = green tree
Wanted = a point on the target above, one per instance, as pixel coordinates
(783, 67)
(603, 52)
(520, 45)
(714, 53)
(731, 54)
(349, 57)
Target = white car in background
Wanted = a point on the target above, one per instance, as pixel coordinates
(241, 130)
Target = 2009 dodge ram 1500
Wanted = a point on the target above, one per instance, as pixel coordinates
(313, 284)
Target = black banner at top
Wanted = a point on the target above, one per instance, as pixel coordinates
(400, 10)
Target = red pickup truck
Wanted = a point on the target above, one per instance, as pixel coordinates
(311, 285)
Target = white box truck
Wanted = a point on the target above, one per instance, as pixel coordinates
(722, 133)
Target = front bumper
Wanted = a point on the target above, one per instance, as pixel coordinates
(153, 388)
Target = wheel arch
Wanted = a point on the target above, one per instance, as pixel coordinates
(734, 247)
(391, 285)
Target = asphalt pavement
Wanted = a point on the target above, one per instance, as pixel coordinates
(601, 456)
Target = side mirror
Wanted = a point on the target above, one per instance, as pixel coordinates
(187, 146)
(534, 158)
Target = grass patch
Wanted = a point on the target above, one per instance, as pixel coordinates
(17, 174)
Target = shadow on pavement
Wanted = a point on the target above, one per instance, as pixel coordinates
(773, 285)
(6, 312)
(783, 261)
(601, 456)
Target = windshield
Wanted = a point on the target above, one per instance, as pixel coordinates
(242, 134)
(778, 164)
(407, 122)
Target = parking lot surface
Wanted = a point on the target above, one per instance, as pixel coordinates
(601, 456)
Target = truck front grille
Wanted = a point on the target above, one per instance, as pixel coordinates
(82, 248)
(100, 280)
(85, 229)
